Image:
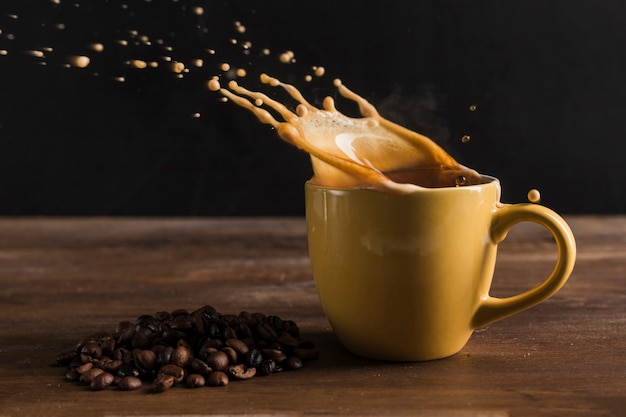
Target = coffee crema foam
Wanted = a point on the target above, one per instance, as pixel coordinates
(367, 152)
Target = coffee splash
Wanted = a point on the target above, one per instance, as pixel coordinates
(366, 152)
(346, 152)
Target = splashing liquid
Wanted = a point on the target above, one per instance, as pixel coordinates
(368, 152)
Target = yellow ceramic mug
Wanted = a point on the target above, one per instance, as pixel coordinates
(407, 277)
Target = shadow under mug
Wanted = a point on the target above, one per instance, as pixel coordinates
(407, 277)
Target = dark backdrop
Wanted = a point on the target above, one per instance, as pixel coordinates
(547, 77)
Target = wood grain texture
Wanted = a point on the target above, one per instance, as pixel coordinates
(64, 278)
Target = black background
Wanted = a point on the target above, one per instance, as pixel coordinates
(547, 77)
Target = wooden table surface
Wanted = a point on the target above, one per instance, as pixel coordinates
(63, 278)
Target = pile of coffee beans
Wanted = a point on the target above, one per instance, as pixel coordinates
(194, 349)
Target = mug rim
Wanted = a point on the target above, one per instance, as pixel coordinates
(491, 180)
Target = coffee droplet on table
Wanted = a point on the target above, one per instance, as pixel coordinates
(534, 196)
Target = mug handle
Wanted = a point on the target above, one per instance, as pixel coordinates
(492, 309)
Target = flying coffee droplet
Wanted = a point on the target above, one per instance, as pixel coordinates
(36, 54)
(308, 78)
(286, 57)
(534, 196)
(473, 107)
(214, 84)
(225, 66)
(4, 52)
(198, 11)
(465, 138)
(319, 71)
(79, 61)
(139, 64)
(98, 47)
(177, 67)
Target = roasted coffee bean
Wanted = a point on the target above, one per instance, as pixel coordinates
(229, 333)
(291, 328)
(145, 359)
(102, 381)
(293, 363)
(245, 316)
(66, 358)
(91, 349)
(147, 322)
(198, 366)
(254, 358)
(259, 317)
(233, 358)
(143, 338)
(110, 365)
(274, 321)
(266, 367)
(124, 332)
(274, 354)
(218, 361)
(72, 374)
(240, 371)
(180, 312)
(128, 370)
(266, 332)
(181, 355)
(244, 331)
(213, 331)
(162, 382)
(217, 379)
(171, 336)
(84, 367)
(88, 376)
(195, 381)
(163, 316)
(129, 383)
(287, 339)
(239, 346)
(164, 355)
(107, 345)
(173, 370)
